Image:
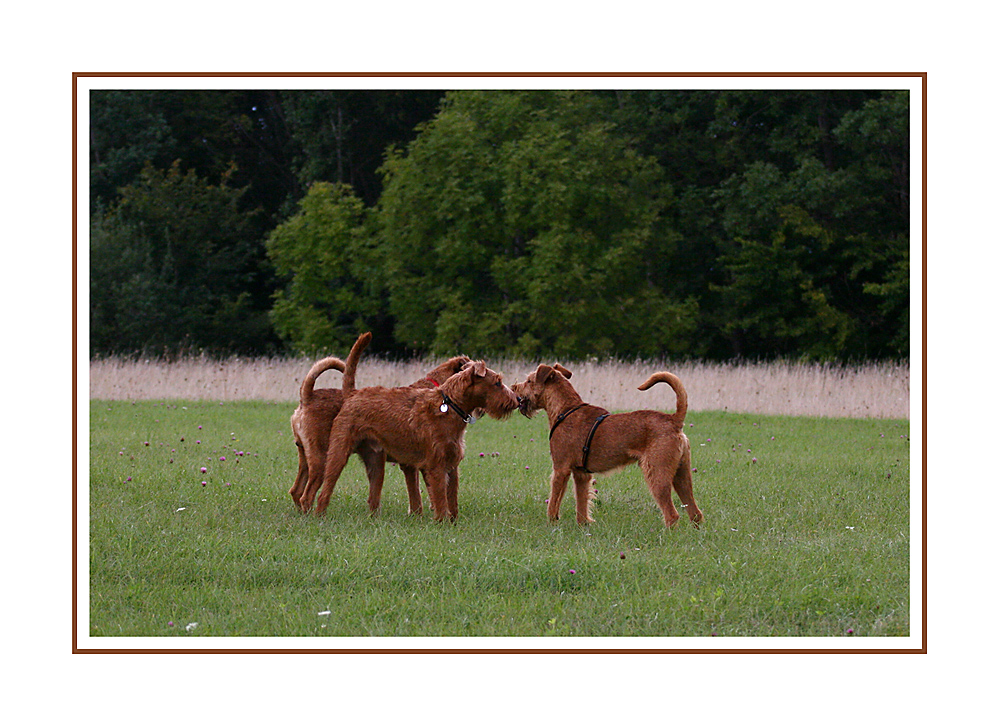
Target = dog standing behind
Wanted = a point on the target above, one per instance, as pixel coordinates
(586, 439)
(421, 428)
(315, 413)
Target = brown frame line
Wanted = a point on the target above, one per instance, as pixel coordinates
(497, 74)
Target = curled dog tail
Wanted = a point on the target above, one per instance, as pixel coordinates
(332, 362)
(676, 385)
(350, 367)
(306, 390)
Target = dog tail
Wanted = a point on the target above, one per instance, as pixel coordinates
(332, 362)
(306, 390)
(676, 385)
(352, 361)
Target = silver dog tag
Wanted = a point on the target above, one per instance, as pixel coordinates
(444, 408)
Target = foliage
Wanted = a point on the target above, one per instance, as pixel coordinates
(127, 131)
(340, 135)
(333, 289)
(171, 267)
(779, 295)
(521, 222)
(531, 223)
(839, 212)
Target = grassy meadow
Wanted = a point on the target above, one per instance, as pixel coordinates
(806, 534)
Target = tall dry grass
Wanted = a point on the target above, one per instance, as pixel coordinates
(879, 390)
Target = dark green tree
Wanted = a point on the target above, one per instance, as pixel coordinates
(531, 222)
(127, 131)
(171, 266)
(878, 135)
(522, 222)
(341, 135)
(850, 225)
(742, 161)
(334, 283)
(779, 299)
(234, 134)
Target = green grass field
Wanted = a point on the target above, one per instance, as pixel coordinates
(806, 534)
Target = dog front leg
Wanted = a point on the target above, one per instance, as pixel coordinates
(559, 479)
(437, 485)
(584, 493)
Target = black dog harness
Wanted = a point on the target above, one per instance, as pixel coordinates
(559, 419)
(590, 437)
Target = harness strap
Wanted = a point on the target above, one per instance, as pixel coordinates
(559, 419)
(590, 438)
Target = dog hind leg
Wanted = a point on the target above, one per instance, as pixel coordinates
(315, 466)
(437, 485)
(302, 478)
(336, 460)
(684, 486)
(659, 466)
(452, 493)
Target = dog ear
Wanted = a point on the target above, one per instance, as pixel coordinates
(563, 370)
(458, 363)
(478, 368)
(542, 373)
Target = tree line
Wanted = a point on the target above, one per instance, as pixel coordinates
(535, 223)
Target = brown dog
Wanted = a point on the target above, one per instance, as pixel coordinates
(314, 416)
(316, 411)
(421, 428)
(432, 380)
(586, 439)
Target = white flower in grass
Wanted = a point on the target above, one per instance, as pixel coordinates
(191, 626)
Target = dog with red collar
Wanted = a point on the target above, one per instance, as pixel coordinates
(314, 416)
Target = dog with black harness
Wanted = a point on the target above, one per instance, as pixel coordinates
(585, 439)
